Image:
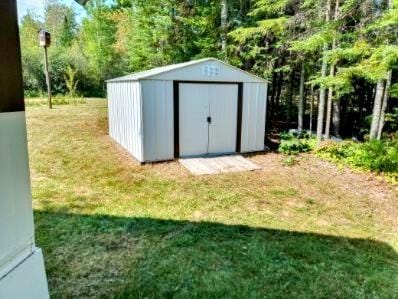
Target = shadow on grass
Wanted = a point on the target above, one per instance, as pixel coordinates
(94, 256)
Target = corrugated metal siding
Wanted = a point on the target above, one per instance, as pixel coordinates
(253, 116)
(125, 116)
(158, 120)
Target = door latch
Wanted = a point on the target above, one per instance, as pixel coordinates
(209, 119)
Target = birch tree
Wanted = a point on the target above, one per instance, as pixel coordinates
(322, 93)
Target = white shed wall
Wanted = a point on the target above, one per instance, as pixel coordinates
(158, 118)
(253, 116)
(125, 116)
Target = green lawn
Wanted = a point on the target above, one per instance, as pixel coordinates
(112, 228)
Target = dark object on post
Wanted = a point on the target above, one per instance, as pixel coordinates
(44, 38)
(82, 2)
(45, 42)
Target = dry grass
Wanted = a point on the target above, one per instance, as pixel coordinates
(110, 226)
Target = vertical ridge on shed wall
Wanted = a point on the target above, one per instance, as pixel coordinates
(158, 120)
(125, 116)
(253, 116)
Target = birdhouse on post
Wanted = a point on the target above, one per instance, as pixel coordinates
(45, 42)
(44, 38)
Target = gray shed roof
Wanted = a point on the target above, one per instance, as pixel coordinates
(163, 69)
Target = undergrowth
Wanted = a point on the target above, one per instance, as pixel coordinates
(376, 156)
(294, 143)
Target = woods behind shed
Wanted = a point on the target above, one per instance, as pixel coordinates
(189, 109)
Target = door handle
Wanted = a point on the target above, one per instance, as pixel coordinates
(209, 119)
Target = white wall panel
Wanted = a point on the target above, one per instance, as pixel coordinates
(253, 116)
(125, 116)
(16, 217)
(158, 119)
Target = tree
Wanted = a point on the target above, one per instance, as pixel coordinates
(224, 25)
(98, 35)
(322, 93)
(301, 99)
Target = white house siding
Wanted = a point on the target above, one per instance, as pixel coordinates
(158, 119)
(253, 116)
(125, 116)
(16, 219)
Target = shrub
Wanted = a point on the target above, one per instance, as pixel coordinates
(376, 156)
(294, 143)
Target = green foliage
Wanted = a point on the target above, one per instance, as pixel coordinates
(295, 143)
(98, 39)
(312, 43)
(377, 156)
(70, 81)
(391, 119)
(276, 27)
(289, 160)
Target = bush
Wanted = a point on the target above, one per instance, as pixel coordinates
(295, 143)
(376, 156)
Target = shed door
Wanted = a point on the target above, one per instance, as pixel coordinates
(207, 118)
(223, 113)
(193, 113)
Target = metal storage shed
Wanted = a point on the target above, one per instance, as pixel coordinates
(189, 109)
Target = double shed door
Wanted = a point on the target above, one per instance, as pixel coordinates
(207, 118)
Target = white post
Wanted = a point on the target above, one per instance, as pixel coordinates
(22, 273)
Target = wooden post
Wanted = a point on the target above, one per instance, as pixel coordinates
(45, 42)
(47, 78)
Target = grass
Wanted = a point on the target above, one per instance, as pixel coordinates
(112, 228)
(57, 100)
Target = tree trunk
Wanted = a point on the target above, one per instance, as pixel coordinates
(329, 107)
(278, 92)
(322, 93)
(336, 118)
(321, 104)
(273, 93)
(332, 69)
(311, 109)
(374, 127)
(384, 105)
(301, 99)
(224, 24)
(290, 97)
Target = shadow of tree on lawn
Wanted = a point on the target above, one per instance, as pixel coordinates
(106, 256)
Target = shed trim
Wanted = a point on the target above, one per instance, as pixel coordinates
(176, 104)
(149, 74)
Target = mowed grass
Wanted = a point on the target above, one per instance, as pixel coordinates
(112, 228)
